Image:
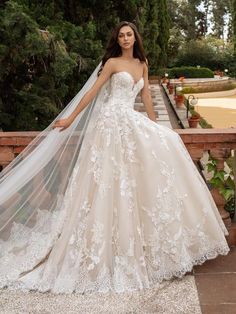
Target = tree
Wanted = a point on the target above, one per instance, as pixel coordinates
(234, 24)
(151, 33)
(49, 48)
(208, 52)
(219, 11)
(164, 33)
(36, 68)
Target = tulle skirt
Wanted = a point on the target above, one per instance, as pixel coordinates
(136, 212)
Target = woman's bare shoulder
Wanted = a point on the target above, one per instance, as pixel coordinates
(109, 65)
(115, 63)
(111, 61)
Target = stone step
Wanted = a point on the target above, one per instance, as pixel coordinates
(165, 123)
(162, 111)
(158, 105)
(163, 117)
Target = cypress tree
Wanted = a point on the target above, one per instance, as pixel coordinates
(234, 24)
(151, 33)
(164, 31)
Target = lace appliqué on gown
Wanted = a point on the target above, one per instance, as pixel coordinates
(136, 211)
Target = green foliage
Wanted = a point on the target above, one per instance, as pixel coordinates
(198, 53)
(41, 70)
(184, 15)
(154, 24)
(151, 31)
(176, 41)
(204, 124)
(219, 11)
(208, 52)
(29, 76)
(209, 89)
(234, 26)
(223, 180)
(193, 17)
(164, 34)
(190, 72)
(49, 48)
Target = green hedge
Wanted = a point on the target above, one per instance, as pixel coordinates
(190, 72)
(209, 89)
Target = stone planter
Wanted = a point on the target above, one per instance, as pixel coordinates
(193, 122)
(171, 89)
(179, 100)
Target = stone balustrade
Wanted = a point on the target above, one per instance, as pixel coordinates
(218, 142)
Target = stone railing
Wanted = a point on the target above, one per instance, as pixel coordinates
(217, 142)
(12, 143)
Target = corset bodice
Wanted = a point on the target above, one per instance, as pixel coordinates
(124, 89)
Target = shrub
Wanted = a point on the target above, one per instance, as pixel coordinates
(208, 89)
(204, 124)
(190, 72)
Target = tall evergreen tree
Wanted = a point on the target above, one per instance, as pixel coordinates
(164, 30)
(184, 16)
(234, 24)
(219, 11)
(150, 35)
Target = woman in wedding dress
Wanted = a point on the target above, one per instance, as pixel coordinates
(108, 200)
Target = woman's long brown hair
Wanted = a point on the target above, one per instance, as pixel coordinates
(113, 49)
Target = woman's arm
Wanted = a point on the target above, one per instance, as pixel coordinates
(146, 96)
(106, 72)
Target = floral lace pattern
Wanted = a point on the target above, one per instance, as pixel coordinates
(136, 211)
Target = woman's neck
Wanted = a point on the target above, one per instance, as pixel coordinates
(127, 54)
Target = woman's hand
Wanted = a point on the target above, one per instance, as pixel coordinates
(62, 123)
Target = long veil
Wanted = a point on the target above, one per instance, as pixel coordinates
(33, 185)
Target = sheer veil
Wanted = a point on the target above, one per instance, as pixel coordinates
(33, 185)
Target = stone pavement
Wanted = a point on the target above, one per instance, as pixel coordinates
(178, 296)
(216, 284)
(209, 289)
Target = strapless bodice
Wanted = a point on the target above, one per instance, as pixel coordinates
(124, 89)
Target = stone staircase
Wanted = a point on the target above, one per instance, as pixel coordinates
(158, 103)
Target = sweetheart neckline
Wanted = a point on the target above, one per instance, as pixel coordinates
(135, 82)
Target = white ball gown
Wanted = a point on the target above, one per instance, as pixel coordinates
(136, 211)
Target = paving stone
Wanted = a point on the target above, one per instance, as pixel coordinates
(216, 284)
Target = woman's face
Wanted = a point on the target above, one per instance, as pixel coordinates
(126, 37)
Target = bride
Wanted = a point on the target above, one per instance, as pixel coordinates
(114, 202)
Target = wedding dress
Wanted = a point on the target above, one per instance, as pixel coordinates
(135, 211)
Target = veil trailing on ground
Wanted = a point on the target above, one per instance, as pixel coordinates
(33, 185)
